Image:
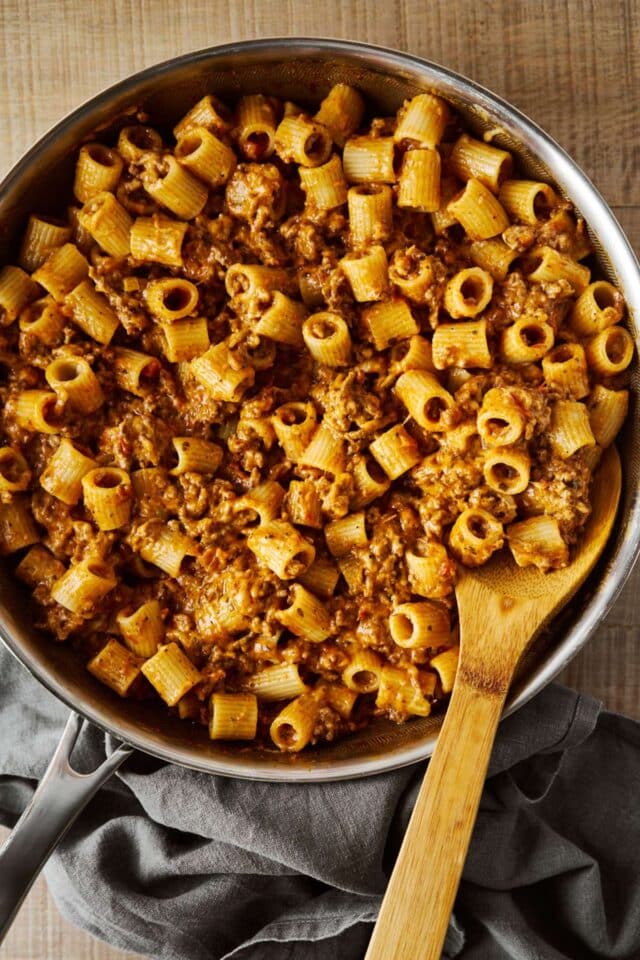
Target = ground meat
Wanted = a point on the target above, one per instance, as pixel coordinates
(256, 193)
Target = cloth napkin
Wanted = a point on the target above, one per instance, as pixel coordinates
(178, 865)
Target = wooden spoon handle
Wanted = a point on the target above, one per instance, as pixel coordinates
(419, 899)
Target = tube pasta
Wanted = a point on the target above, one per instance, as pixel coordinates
(142, 629)
(341, 699)
(282, 320)
(569, 429)
(538, 542)
(292, 729)
(443, 217)
(327, 338)
(321, 577)
(494, 256)
(43, 320)
(346, 534)
(363, 672)
(83, 585)
(478, 211)
(136, 140)
(195, 456)
(62, 271)
(399, 695)
(370, 213)
(461, 345)
(419, 181)
(116, 667)
(369, 160)
(599, 306)
(233, 716)
(171, 673)
(158, 239)
(475, 535)
(98, 168)
(341, 112)
(108, 496)
(411, 270)
(610, 351)
(108, 223)
(75, 383)
(415, 626)
(526, 340)
(446, 666)
(416, 353)
(507, 470)
(172, 186)
(252, 280)
(294, 425)
(165, 546)
(306, 616)
(501, 420)
(423, 119)
(17, 526)
(468, 292)
(171, 298)
(282, 681)
(209, 112)
(607, 412)
(565, 368)
(92, 312)
(256, 126)
(396, 451)
(206, 157)
(546, 265)
(134, 372)
(279, 546)
(424, 397)
(39, 567)
(325, 451)
(264, 501)
(303, 504)
(527, 200)
(221, 380)
(35, 410)
(388, 321)
(303, 141)
(185, 339)
(369, 481)
(367, 273)
(41, 237)
(474, 158)
(431, 572)
(325, 187)
(62, 477)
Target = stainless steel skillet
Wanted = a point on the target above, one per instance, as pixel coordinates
(302, 70)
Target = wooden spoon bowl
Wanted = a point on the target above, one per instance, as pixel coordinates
(502, 607)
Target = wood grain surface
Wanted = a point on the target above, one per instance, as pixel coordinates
(572, 66)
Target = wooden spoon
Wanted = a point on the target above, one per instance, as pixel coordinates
(501, 607)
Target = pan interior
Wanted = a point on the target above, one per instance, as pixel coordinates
(304, 71)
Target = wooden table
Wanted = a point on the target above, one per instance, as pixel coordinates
(573, 67)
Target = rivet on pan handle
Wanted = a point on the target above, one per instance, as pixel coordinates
(61, 795)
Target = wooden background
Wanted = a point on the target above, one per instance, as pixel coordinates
(572, 66)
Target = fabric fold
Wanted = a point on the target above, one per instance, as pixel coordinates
(175, 864)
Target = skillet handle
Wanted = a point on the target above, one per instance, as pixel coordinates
(61, 795)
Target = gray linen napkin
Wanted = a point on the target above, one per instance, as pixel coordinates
(182, 866)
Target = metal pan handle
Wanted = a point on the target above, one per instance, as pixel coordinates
(61, 795)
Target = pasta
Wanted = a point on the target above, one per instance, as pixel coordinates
(270, 379)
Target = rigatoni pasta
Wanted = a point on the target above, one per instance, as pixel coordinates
(268, 381)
